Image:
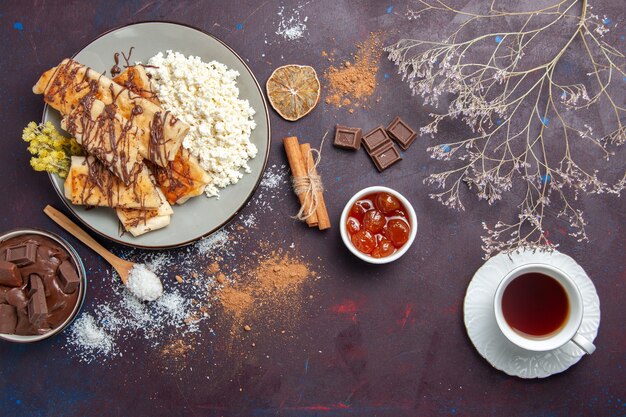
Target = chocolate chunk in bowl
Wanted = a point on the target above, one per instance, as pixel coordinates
(10, 274)
(21, 254)
(46, 300)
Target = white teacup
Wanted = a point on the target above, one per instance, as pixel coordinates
(568, 332)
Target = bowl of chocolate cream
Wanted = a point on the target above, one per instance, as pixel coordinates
(42, 285)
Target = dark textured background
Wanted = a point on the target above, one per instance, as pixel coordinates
(400, 347)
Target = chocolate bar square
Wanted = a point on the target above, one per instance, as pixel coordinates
(374, 139)
(347, 137)
(10, 274)
(401, 133)
(68, 278)
(386, 157)
(36, 284)
(380, 148)
(22, 255)
(37, 308)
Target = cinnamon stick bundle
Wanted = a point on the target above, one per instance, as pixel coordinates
(322, 214)
(313, 208)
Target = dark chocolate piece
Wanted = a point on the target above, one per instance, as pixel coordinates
(40, 279)
(68, 279)
(36, 284)
(37, 307)
(375, 139)
(17, 297)
(10, 274)
(23, 325)
(385, 157)
(22, 255)
(380, 148)
(347, 137)
(3, 294)
(8, 319)
(401, 133)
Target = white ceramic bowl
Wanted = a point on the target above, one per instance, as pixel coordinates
(81, 289)
(410, 213)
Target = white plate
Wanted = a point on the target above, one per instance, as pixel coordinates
(483, 330)
(200, 216)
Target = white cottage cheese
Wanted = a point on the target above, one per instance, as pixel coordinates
(205, 96)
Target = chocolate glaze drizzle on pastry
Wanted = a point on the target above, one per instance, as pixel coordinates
(160, 133)
(115, 69)
(182, 177)
(107, 136)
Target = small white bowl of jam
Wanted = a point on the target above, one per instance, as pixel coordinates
(378, 225)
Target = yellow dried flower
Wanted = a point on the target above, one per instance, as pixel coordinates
(51, 151)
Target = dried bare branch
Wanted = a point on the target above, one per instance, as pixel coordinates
(516, 114)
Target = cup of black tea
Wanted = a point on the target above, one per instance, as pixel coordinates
(539, 308)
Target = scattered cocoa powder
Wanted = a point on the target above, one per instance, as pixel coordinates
(276, 274)
(174, 354)
(213, 268)
(352, 83)
(197, 315)
(274, 283)
(236, 301)
(176, 348)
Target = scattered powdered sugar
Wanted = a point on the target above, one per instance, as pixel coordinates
(95, 337)
(291, 27)
(249, 221)
(104, 331)
(144, 283)
(212, 243)
(157, 263)
(274, 177)
(90, 338)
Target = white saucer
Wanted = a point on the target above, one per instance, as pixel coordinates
(483, 330)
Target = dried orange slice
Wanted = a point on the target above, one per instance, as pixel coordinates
(293, 91)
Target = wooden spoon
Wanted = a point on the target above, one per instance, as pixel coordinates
(120, 265)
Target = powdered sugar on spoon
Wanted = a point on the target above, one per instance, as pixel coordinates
(142, 282)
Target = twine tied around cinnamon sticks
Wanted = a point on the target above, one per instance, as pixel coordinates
(307, 184)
